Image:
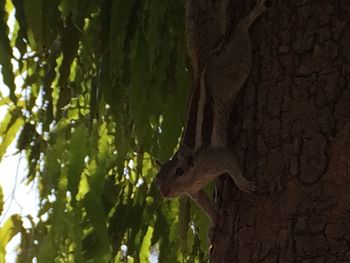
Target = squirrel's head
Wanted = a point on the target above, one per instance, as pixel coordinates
(175, 177)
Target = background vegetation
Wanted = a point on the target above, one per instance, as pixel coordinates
(104, 91)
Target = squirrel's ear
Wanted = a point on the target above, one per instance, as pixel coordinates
(158, 164)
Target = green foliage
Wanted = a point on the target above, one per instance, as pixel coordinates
(11, 227)
(1, 200)
(6, 52)
(104, 91)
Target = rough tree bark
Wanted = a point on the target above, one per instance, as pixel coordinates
(291, 130)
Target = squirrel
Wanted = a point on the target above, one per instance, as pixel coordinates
(203, 156)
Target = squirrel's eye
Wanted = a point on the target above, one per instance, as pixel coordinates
(179, 171)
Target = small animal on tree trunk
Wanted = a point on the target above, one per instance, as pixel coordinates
(219, 74)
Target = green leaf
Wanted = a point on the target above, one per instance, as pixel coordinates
(47, 80)
(7, 121)
(121, 13)
(10, 135)
(167, 232)
(26, 136)
(184, 221)
(70, 41)
(103, 143)
(171, 128)
(155, 28)
(76, 234)
(97, 217)
(6, 54)
(77, 151)
(51, 21)
(202, 222)
(51, 173)
(67, 7)
(138, 91)
(34, 16)
(146, 245)
(137, 229)
(1, 200)
(47, 250)
(24, 251)
(11, 227)
(5, 101)
(20, 43)
(77, 56)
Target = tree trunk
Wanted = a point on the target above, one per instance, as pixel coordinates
(291, 130)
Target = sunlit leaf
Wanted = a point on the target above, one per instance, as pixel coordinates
(11, 228)
(1, 200)
(145, 247)
(10, 135)
(7, 120)
(5, 101)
